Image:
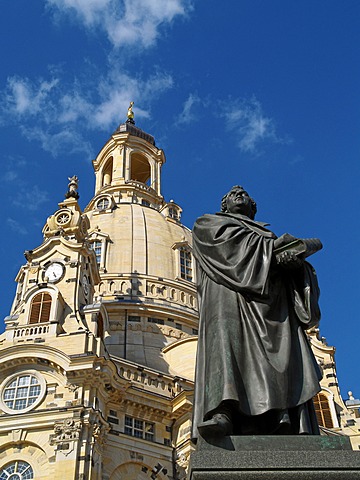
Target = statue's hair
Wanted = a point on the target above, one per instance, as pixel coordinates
(238, 187)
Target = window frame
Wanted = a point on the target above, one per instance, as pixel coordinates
(186, 255)
(136, 428)
(3, 470)
(97, 238)
(6, 386)
(100, 204)
(331, 411)
(184, 247)
(57, 304)
(44, 306)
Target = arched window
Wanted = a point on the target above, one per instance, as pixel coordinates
(140, 169)
(40, 308)
(17, 470)
(322, 410)
(107, 173)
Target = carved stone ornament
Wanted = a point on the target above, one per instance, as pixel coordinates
(99, 433)
(182, 464)
(66, 431)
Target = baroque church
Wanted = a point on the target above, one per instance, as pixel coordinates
(97, 358)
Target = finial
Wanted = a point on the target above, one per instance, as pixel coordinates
(72, 188)
(130, 114)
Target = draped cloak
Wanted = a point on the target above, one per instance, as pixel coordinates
(252, 347)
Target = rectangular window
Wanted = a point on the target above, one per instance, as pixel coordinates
(113, 420)
(139, 428)
(159, 321)
(178, 326)
(185, 264)
(97, 247)
(173, 213)
(133, 318)
(195, 331)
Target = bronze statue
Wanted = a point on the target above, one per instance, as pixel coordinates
(255, 371)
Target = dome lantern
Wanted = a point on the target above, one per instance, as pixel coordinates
(130, 164)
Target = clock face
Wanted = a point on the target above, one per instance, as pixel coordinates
(54, 272)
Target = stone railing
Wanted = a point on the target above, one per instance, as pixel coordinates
(161, 383)
(140, 186)
(154, 288)
(27, 332)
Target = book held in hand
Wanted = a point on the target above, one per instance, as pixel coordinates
(302, 247)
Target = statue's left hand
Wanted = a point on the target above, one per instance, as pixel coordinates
(289, 260)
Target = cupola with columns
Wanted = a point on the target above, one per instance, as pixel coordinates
(129, 165)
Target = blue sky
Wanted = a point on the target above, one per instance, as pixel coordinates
(256, 92)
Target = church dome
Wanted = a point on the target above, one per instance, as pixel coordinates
(144, 253)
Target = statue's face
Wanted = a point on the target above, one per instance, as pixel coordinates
(238, 201)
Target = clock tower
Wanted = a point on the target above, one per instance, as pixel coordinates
(60, 275)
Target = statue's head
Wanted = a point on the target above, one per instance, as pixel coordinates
(239, 201)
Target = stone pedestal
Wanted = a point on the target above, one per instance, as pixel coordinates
(275, 458)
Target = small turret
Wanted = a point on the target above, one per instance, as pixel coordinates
(68, 221)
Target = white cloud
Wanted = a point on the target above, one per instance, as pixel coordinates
(60, 113)
(12, 165)
(23, 97)
(63, 116)
(187, 115)
(250, 125)
(118, 89)
(10, 176)
(16, 226)
(126, 22)
(31, 198)
(57, 142)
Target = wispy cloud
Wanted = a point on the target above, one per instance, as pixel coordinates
(16, 226)
(188, 115)
(116, 90)
(57, 142)
(10, 176)
(31, 198)
(252, 127)
(11, 167)
(25, 98)
(63, 114)
(125, 22)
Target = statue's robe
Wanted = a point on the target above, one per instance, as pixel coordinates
(252, 348)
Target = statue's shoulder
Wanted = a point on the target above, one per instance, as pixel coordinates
(209, 219)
